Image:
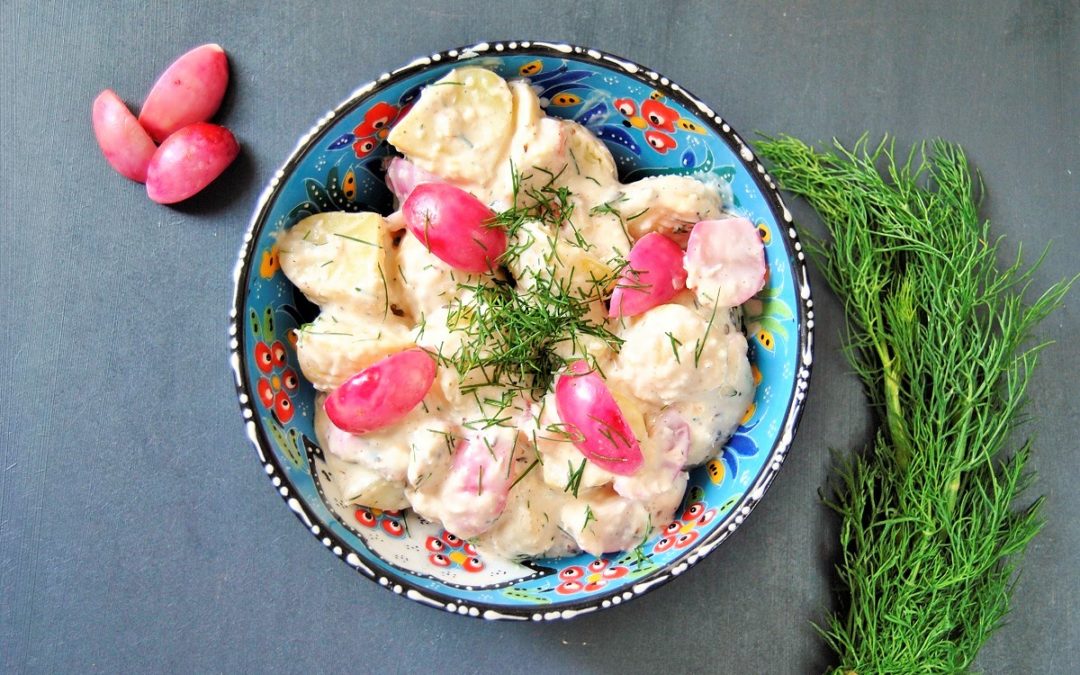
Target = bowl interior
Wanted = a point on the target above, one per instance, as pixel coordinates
(652, 127)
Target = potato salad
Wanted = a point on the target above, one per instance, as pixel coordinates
(526, 351)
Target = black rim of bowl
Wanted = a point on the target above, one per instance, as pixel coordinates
(602, 600)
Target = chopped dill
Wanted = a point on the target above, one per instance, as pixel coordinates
(356, 239)
(523, 474)
(589, 517)
(675, 344)
(573, 481)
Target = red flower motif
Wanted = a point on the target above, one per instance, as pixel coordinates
(681, 533)
(374, 128)
(389, 521)
(593, 577)
(449, 550)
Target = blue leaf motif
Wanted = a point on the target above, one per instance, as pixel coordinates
(343, 141)
(593, 112)
(619, 136)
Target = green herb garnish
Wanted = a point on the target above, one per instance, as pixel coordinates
(356, 239)
(589, 517)
(938, 333)
(573, 481)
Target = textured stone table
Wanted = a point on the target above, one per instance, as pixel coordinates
(137, 532)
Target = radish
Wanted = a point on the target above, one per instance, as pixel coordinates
(188, 161)
(725, 261)
(603, 435)
(478, 482)
(126, 145)
(382, 393)
(653, 276)
(190, 90)
(403, 176)
(455, 226)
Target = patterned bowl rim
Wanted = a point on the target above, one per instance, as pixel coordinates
(389, 579)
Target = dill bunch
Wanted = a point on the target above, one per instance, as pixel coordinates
(931, 524)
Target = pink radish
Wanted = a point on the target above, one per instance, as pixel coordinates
(403, 176)
(189, 91)
(653, 276)
(670, 435)
(603, 435)
(126, 145)
(455, 226)
(188, 161)
(478, 484)
(382, 393)
(725, 261)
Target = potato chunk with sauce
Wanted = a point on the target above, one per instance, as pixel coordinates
(339, 259)
(460, 127)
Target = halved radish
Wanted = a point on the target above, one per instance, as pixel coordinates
(654, 275)
(383, 393)
(190, 90)
(188, 161)
(126, 145)
(725, 261)
(585, 404)
(474, 493)
(402, 176)
(455, 226)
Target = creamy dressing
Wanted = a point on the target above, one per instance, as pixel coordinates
(519, 487)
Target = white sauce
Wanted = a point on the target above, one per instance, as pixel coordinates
(507, 490)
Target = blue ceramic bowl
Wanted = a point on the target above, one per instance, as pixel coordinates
(336, 166)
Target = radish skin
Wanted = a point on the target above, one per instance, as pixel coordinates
(188, 161)
(599, 428)
(455, 226)
(189, 91)
(653, 276)
(382, 393)
(725, 261)
(126, 145)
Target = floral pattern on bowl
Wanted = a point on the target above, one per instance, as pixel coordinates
(652, 127)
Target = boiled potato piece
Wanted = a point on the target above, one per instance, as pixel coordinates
(589, 158)
(671, 205)
(543, 255)
(356, 483)
(337, 345)
(427, 283)
(339, 258)
(360, 485)
(460, 127)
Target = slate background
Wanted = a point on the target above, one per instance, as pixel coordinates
(137, 531)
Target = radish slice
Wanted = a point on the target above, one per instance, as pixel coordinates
(478, 483)
(603, 435)
(188, 161)
(383, 393)
(402, 176)
(126, 145)
(725, 261)
(455, 226)
(189, 91)
(653, 276)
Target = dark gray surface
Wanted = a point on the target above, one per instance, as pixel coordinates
(137, 531)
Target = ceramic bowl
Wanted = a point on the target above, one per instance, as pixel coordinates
(337, 166)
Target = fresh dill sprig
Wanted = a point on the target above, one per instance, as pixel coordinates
(931, 527)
